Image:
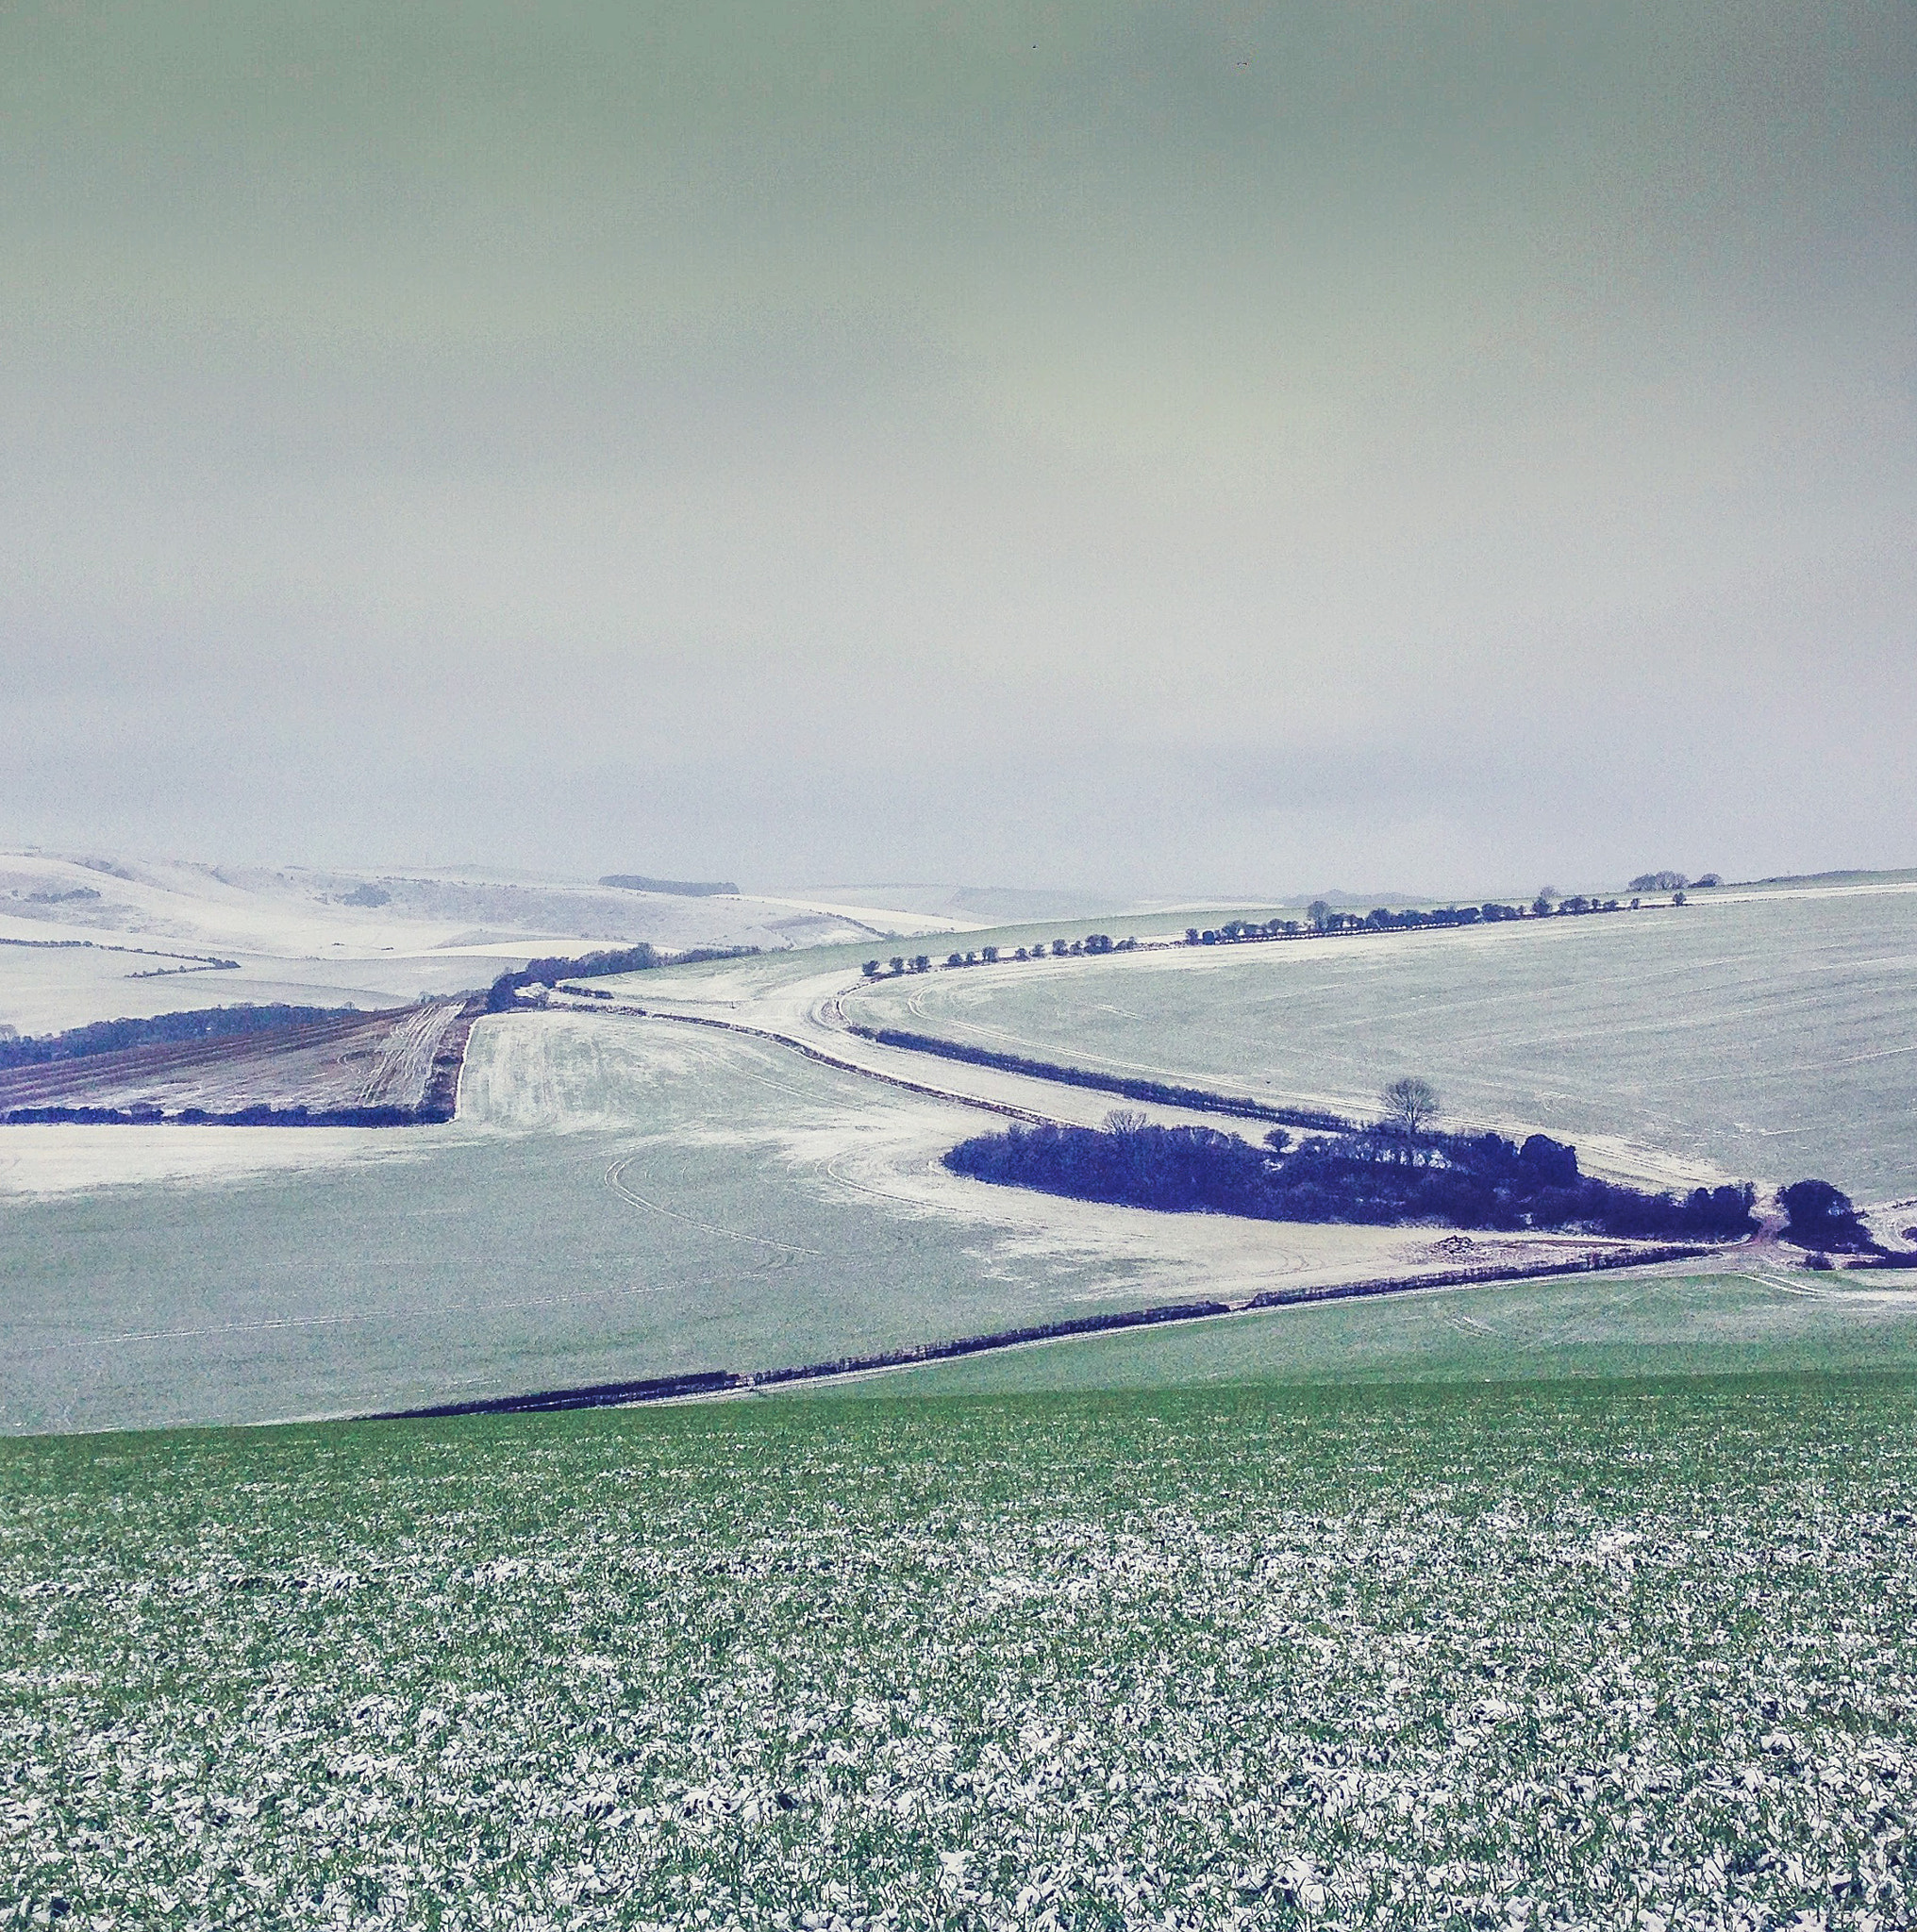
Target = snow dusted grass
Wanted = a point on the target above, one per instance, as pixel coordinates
(1770, 1037)
(1612, 1655)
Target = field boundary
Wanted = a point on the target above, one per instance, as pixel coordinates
(833, 1059)
(711, 1382)
(1126, 1086)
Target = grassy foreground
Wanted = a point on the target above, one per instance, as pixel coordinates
(1582, 1654)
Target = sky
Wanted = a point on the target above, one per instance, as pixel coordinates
(1163, 449)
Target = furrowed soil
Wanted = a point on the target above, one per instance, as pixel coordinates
(1626, 1654)
(385, 1060)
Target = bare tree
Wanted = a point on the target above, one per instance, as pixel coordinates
(1410, 1103)
(1125, 1120)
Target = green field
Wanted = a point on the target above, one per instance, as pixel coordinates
(1619, 1654)
(1776, 1316)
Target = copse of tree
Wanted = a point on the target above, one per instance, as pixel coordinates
(1658, 882)
(1376, 1178)
(685, 889)
(1818, 1215)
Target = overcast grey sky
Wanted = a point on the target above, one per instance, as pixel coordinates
(1164, 447)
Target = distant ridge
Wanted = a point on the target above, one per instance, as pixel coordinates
(684, 888)
(1893, 876)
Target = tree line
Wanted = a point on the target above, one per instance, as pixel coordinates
(1376, 1176)
(1320, 920)
(1093, 943)
(504, 992)
(165, 1030)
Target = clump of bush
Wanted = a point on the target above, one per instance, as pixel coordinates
(1820, 1217)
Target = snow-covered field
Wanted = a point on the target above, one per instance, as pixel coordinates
(618, 1198)
(1766, 1036)
(99, 939)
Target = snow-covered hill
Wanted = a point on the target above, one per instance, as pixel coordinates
(87, 938)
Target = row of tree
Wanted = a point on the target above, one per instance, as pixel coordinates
(1093, 943)
(163, 1029)
(502, 993)
(1321, 918)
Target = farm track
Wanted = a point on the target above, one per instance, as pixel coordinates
(827, 1059)
(615, 1179)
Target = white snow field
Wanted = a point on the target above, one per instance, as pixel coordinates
(1764, 1036)
(102, 939)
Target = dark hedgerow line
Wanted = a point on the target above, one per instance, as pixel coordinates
(1198, 1098)
(736, 1382)
(261, 1115)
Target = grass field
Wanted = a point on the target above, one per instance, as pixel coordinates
(1619, 1654)
(1774, 1317)
(619, 1198)
(1768, 1037)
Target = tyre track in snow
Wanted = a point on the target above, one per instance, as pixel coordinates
(615, 1179)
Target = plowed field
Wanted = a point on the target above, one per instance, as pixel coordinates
(383, 1060)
